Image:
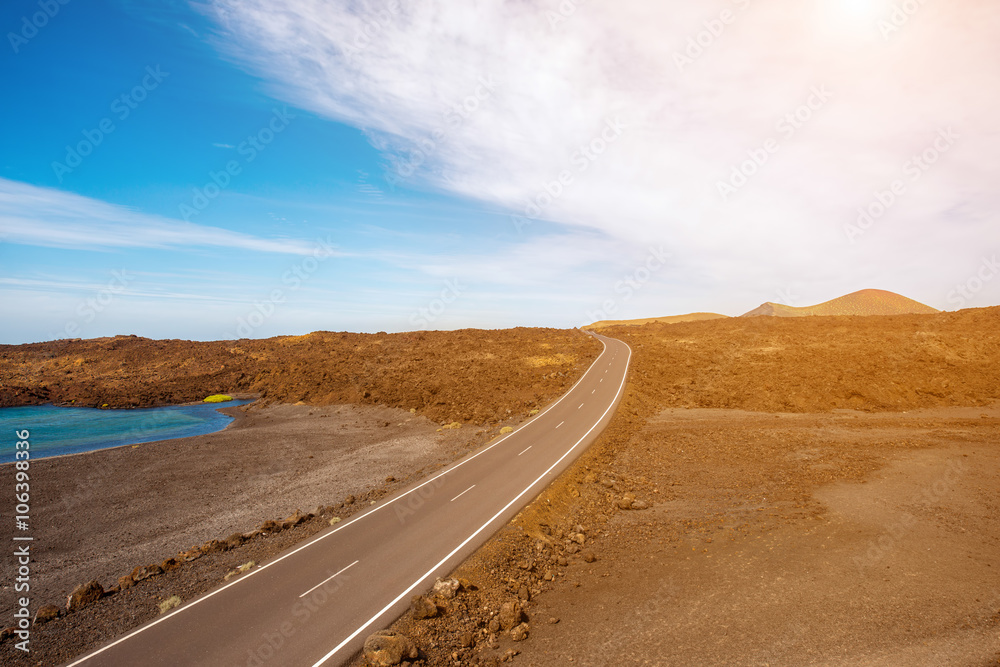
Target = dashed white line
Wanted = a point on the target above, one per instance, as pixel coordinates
(581, 405)
(592, 391)
(462, 493)
(560, 424)
(328, 579)
(525, 449)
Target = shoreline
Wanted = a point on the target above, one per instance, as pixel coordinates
(236, 418)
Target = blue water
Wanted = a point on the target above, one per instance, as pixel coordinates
(57, 431)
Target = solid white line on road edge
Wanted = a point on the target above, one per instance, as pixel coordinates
(560, 424)
(462, 493)
(329, 578)
(525, 449)
(341, 526)
(479, 530)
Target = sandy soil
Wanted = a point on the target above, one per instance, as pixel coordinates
(783, 527)
(100, 514)
(791, 540)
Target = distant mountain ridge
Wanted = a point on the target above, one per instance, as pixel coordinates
(863, 302)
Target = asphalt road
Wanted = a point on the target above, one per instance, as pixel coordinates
(316, 603)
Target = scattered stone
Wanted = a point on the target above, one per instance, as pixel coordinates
(579, 538)
(625, 502)
(269, 526)
(510, 615)
(46, 613)
(213, 546)
(553, 620)
(349, 500)
(466, 640)
(523, 593)
(170, 564)
(572, 549)
(390, 479)
(494, 625)
(505, 430)
(588, 556)
(143, 573)
(520, 632)
(562, 561)
(422, 607)
(83, 595)
(590, 478)
(640, 505)
(386, 648)
(125, 582)
(235, 540)
(446, 589)
(296, 519)
(194, 553)
(334, 521)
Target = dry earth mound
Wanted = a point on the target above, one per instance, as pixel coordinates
(466, 376)
(864, 302)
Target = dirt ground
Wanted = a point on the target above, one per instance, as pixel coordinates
(477, 376)
(817, 491)
(770, 492)
(845, 539)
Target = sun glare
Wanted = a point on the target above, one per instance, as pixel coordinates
(851, 17)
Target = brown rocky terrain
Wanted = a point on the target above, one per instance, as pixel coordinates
(670, 319)
(466, 376)
(770, 492)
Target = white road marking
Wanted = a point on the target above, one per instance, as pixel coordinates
(328, 579)
(526, 449)
(602, 379)
(560, 424)
(592, 391)
(462, 493)
(444, 560)
(581, 405)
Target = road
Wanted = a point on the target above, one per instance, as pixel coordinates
(316, 603)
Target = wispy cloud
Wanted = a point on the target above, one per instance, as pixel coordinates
(691, 115)
(32, 215)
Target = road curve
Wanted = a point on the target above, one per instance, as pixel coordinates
(316, 603)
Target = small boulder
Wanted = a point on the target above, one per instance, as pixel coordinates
(588, 556)
(83, 595)
(446, 589)
(625, 502)
(510, 615)
(422, 607)
(386, 648)
(194, 553)
(170, 564)
(235, 540)
(47, 613)
(125, 582)
(520, 632)
(213, 546)
(270, 526)
(296, 519)
(640, 505)
(142, 573)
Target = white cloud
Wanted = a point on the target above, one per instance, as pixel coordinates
(556, 84)
(32, 215)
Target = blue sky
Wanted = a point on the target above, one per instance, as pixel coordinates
(222, 169)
